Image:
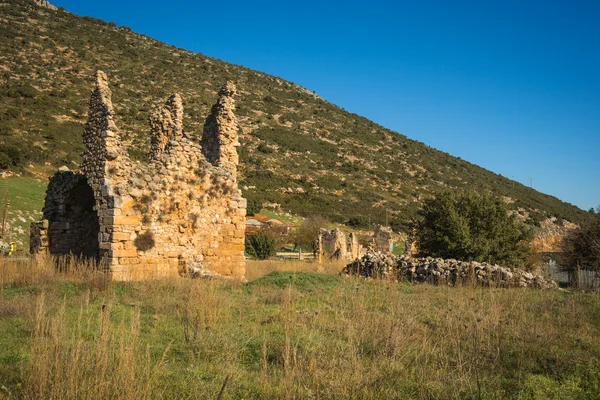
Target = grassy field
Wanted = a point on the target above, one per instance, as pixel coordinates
(302, 335)
(25, 198)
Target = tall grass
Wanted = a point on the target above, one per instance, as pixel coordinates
(97, 356)
(294, 335)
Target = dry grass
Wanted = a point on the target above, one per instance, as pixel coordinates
(293, 335)
(256, 269)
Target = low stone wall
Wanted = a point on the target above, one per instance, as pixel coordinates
(440, 271)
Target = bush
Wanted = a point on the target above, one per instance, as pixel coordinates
(5, 161)
(260, 246)
(581, 247)
(472, 227)
(308, 232)
(263, 148)
(357, 222)
(254, 206)
(12, 153)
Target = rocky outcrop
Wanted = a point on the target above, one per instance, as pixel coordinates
(447, 272)
(45, 4)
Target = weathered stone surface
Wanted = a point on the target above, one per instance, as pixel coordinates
(220, 136)
(139, 219)
(166, 126)
(45, 4)
(332, 245)
(382, 239)
(441, 271)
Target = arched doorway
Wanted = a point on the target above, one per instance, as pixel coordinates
(75, 227)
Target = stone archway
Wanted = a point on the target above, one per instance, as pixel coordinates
(76, 227)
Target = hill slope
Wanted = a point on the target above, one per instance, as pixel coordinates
(297, 150)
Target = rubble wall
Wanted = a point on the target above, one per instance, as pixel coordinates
(441, 271)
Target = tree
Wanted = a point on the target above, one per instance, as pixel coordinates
(580, 248)
(254, 206)
(260, 245)
(472, 227)
(308, 232)
(280, 233)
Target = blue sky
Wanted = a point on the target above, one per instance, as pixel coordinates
(512, 86)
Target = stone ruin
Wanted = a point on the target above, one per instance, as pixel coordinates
(438, 271)
(333, 245)
(382, 241)
(178, 212)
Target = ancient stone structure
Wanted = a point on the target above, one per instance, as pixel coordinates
(440, 271)
(332, 245)
(382, 239)
(355, 248)
(181, 211)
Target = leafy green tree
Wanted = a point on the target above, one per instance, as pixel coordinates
(581, 247)
(261, 246)
(472, 227)
(308, 232)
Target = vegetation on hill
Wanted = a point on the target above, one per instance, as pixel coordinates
(298, 150)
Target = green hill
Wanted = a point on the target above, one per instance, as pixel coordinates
(298, 150)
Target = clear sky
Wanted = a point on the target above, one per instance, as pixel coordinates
(512, 86)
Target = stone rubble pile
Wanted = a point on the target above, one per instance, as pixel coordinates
(440, 271)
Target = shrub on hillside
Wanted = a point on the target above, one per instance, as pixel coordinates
(472, 227)
(254, 206)
(5, 161)
(11, 155)
(261, 246)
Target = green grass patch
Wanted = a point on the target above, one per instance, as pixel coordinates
(302, 281)
(25, 197)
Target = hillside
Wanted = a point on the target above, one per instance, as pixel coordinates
(298, 150)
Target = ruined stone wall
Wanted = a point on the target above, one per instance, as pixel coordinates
(444, 272)
(382, 239)
(220, 135)
(175, 212)
(70, 223)
(332, 245)
(355, 248)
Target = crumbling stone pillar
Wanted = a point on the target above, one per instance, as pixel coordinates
(382, 239)
(220, 136)
(354, 247)
(166, 124)
(332, 245)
